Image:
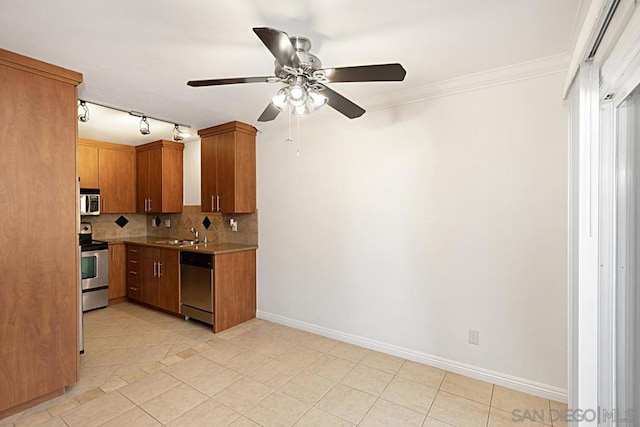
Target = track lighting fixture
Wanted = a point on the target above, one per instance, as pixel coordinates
(83, 112)
(178, 134)
(144, 126)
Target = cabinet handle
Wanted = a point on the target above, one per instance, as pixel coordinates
(132, 288)
(133, 261)
(135, 251)
(218, 203)
(133, 272)
(149, 205)
(213, 209)
(155, 269)
(159, 269)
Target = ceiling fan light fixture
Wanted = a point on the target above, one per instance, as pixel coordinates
(296, 93)
(301, 110)
(280, 99)
(317, 99)
(144, 126)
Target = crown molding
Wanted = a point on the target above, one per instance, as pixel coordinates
(494, 77)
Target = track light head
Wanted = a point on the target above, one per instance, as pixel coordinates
(177, 135)
(144, 126)
(83, 112)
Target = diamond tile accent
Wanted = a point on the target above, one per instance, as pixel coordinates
(122, 221)
(157, 221)
(206, 222)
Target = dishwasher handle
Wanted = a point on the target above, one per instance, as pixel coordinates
(196, 259)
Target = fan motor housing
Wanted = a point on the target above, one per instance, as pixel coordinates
(308, 61)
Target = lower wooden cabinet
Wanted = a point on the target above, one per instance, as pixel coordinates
(117, 271)
(154, 277)
(234, 292)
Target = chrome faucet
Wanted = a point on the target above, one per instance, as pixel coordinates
(195, 234)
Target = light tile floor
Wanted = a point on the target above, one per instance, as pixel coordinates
(145, 368)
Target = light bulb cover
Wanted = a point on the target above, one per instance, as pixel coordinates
(318, 99)
(279, 100)
(300, 110)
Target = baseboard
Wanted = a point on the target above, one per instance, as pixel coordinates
(505, 380)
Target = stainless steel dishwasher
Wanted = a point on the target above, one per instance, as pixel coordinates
(196, 285)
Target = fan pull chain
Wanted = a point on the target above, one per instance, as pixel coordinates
(289, 110)
(298, 138)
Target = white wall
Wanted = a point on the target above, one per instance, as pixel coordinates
(192, 174)
(413, 224)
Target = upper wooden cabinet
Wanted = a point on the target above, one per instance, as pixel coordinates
(159, 172)
(228, 166)
(88, 164)
(111, 168)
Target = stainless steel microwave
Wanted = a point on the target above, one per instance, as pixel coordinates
(89, 201)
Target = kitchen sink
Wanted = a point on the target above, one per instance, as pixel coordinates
(176, 242)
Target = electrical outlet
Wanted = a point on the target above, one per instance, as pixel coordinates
(167, 223)
(474, 337)
(153, 222)
(233, 224)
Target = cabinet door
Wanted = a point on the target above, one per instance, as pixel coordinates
(226, 171)
(208, 173)
(117, 270)
(234, 289)
(155, 180)
(88, 166)
(149, 281)
(142, 173)
(116, 169)
(172, 180)
(169, 281)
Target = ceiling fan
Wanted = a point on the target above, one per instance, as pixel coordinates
(305, 79)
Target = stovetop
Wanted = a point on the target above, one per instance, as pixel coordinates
(93, 245)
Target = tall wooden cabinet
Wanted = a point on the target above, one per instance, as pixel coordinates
(228, 167)
(39, 288)
(111, 168)
(160, 177)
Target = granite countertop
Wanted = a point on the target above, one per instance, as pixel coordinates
(211, 248)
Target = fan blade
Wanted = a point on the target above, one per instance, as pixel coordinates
(218, 82)
(279, 45)
(366, 73)
(340, 103)
(269, 113)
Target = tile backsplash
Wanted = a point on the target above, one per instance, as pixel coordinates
(219, 230)
(105, 226)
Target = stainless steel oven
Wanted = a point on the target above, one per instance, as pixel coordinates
(94, 270)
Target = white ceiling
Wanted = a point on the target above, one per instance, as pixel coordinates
(139, 54)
